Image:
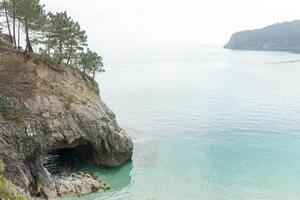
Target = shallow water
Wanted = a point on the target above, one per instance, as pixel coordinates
(207, 123)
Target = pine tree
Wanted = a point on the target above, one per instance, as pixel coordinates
(58, 26)
(58, 36)
(65, 37)
(4, 6)
(76, 41)
(12, 11)
(9, 8)
(91, 62)
(32, 15)
(97, 64)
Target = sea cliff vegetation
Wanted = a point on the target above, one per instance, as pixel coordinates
(50, 106)
(277, 37)
(56, 37)
(52, 119)
(8, 190)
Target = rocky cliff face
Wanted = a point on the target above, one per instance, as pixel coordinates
(46, 110)
(277, 37)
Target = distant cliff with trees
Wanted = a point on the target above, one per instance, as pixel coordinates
(277, 37)
(56, 37)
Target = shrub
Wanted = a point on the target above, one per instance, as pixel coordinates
(19, 119)
(7, 189)
(1, 167)
(47, 60)
(6, 113)
(9, 115)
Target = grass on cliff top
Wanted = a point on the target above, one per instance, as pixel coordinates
(7, 189)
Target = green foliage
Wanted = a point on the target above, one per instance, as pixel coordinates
(7, 189)
(47, 59)
(90, 62)
(4, 41)
(19, 119)
(7, 194)
(1, 167)
(31, 13)
(65, 37)
(6, 113)
(60, 39)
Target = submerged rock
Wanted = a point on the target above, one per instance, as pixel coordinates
(53, 110)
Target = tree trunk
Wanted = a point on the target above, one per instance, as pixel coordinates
(60, 46)
(69, 56)
(7, 22)
(94, 74)
(28, 43)
(60, 50)
(48, 43)
(19, 24)
(14, 25)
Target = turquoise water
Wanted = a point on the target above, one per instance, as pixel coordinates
(207, 123)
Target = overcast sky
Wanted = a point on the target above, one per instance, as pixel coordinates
(172, 21)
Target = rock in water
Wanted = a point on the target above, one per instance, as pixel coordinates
(78, 184)
(53, 110)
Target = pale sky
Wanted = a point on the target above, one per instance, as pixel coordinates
(172, 21)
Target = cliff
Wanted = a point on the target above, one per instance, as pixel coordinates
(277, 37)
(46, 111)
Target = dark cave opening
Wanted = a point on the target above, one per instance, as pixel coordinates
(63, 161)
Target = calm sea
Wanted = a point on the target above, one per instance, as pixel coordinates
(207, 123)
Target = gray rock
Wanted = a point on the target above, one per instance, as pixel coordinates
(54, 110)
(78, 184)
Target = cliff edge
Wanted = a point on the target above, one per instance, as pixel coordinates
(53, 113)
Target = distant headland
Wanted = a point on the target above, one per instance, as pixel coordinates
(277, 37)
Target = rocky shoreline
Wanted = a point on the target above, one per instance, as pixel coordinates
(78, 183)
(54, 110)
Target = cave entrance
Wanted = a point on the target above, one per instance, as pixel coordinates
(64, 160)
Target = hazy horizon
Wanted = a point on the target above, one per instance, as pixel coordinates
(172, 21)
